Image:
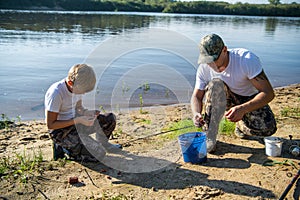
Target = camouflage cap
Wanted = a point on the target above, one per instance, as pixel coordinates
(210, 48)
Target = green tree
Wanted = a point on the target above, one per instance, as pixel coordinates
(274, 2)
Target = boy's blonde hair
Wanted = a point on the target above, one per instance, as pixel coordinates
(83, 77)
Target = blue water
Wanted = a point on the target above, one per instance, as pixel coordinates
(38, 48)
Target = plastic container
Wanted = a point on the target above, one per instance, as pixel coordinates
(193, 147)
(273, 146)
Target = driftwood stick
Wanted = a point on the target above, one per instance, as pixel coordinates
(40, 192)
(91, 178)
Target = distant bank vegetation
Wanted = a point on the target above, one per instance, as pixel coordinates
(274, 8)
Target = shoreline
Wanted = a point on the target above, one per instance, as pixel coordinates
(168, 9)
(145, 107)
(287, 86)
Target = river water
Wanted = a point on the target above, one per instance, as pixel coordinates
(141, 59)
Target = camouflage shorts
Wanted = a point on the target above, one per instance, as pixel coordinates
(260, 122)
(69, 139)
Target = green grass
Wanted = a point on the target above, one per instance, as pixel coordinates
(179, 128)
(290, 112)
(143, 121)
(226, 127)
(4, 165)
(118, 197)
(20, 166)
(6, 122)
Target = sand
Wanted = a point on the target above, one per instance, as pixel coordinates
(153, 168)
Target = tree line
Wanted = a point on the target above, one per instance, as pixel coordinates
(274, 8)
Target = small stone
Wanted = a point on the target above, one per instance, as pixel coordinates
(73, 180)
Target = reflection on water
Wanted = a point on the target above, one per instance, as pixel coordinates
(116, 22)
(37, 49)
(271, 24)
(71, 22)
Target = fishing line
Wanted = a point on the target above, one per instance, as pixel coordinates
(155, 134)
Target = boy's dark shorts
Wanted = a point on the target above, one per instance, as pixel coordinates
(69, 139)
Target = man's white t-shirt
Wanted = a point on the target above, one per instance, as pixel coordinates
(60, 100)
(243, 65)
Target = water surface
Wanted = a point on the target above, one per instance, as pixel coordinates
(38, 48)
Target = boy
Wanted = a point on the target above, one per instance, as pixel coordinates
(66, 117)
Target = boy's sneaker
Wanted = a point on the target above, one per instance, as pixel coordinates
(58, 152)
(87, 158)
(215, 108)
(118, 146)
(113, 148)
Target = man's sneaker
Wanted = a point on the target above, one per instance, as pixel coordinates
(211, 145)
(238, 133)
(215, 108)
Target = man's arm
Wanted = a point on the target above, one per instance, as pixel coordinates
(196, 106)
(264, 96)
(266, 92)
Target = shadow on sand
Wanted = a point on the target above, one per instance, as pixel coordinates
(173, 176)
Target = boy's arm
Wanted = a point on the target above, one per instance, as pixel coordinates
(80, 110)
(53, 123)
(85, 119)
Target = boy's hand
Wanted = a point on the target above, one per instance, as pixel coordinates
(96, 112)
(85, 120)
(91, 112)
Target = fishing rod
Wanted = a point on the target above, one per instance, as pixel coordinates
(159, 133)
(289, 186)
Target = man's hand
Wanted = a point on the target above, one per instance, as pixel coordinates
(198, 120)
(235, 113)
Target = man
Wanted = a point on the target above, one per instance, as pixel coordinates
(232, 80)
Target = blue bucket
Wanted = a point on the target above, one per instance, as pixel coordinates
(193, 147)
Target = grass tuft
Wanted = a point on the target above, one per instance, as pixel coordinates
(226, 127)
(180, 127)
(290, 112)
(21, 166)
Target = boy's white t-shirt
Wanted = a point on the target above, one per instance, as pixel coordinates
(60, 100)
(243, 65)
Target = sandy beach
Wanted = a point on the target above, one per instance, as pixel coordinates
(236, 170)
